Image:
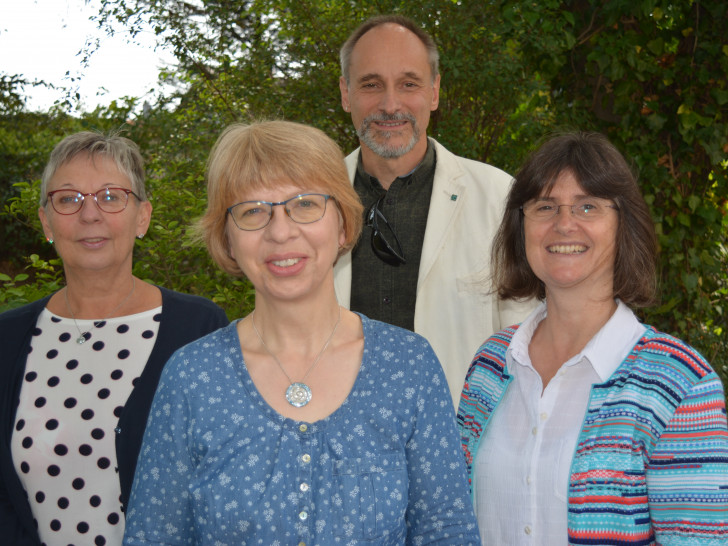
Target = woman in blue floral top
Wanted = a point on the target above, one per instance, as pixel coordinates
(302, 423)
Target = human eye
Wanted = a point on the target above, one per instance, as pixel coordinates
(67, 197)
(369, 84)
(589, 208)
(543, 209)
(251, 210)
(110, 196)
(306, 202)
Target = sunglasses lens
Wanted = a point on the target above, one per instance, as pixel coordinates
(384, 251)
(385, 243)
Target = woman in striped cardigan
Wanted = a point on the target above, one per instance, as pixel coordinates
(582, 425)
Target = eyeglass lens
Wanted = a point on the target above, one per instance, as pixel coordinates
(382, 233)
(586, 209)
(111, 200)
(302, 209)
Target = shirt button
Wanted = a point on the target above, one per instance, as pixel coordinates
(303, 516)
(306, 458)
(303, 428)
(304, 487)
(387, 300)
(301, 543)
(527, 529)
(544, 416)
(528, 480)
(534, 431)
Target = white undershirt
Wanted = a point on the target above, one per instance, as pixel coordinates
(522, 465)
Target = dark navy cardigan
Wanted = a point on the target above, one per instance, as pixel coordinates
(185, 318)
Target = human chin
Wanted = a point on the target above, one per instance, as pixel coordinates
(384, 148)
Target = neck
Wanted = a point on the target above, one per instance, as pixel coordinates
(386, 170)
(571, 323)
(299, 327)
(99, 298)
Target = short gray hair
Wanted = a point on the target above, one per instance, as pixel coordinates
(122, 151)
(401, 20)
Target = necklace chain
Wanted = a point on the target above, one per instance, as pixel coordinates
(81, 339)
(298, 393)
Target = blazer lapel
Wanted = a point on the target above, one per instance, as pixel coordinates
(445, 203)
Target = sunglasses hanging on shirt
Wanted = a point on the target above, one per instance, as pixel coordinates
(385, 243)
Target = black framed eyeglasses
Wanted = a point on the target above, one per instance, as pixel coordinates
(305, 208)
(389, 252)
(109, 200)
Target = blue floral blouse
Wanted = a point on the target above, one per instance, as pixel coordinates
(219, 466)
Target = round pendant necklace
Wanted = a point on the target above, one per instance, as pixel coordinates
(84, 336)
(298, 393)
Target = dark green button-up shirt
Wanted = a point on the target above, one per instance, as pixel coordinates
(379, 290)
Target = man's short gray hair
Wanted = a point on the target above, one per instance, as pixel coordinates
(401, 20)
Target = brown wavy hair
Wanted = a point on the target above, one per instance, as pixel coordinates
(602, 171)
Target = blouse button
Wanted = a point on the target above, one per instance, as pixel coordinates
(117, 430)
(303, 516)
(527, 529)
(304, 487)
(303, 428)
(306, 458)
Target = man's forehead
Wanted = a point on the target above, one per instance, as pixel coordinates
(389, 50)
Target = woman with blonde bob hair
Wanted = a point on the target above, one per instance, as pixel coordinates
(250, 157)
(302, 423)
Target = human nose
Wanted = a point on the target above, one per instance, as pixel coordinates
(90, 209)
(566, 219)
(280, 224)
(389, 100)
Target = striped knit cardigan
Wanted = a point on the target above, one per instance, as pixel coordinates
(651, 461)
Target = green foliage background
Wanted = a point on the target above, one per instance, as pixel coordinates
(650, 74)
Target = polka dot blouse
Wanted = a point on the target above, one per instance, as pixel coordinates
(63, 443)
(219, 466)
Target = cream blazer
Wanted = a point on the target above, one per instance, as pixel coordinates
(454, 311)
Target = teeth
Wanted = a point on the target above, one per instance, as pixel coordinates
(286, 263)
(567, 249)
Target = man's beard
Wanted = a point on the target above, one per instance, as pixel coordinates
(366, 135)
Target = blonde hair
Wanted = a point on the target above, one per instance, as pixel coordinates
(248, 158)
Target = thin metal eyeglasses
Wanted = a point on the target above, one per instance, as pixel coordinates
(384, 250)
(305, 208)
(109, 200)
(587, 209)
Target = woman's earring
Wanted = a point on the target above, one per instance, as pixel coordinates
(140, 236)
(49, 240)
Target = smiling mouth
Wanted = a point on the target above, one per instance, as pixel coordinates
(391, 124)
(566, 249)
(286, 263)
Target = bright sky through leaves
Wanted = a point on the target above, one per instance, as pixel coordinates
(41, 39)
